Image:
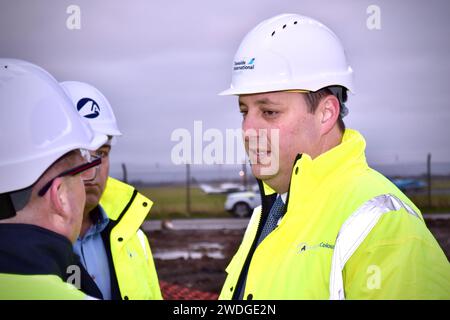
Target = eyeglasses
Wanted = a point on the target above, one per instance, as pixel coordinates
(100, 153)
(88, 172)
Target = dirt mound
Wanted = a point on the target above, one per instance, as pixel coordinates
(195, 260)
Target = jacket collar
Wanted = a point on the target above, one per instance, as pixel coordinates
(348, 154)
(124, 206)
(29, 249)
(116, 198)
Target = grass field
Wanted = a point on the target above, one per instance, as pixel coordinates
(439, 202)
(440, 197)
(442, 183)
(170, 201)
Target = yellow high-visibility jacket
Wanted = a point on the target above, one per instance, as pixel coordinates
(384, 249)
(35, 262)
(37, 287)
(131, 254)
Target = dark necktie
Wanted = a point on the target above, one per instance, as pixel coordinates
(276, 212)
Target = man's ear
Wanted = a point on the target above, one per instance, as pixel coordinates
(59, 197)
(329, 112)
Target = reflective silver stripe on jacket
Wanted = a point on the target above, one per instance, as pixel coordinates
(353, 232)
(142, 240)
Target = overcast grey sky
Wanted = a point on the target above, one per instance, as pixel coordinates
(162, 63)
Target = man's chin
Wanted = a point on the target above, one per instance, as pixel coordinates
(92, 201)
(264, 173)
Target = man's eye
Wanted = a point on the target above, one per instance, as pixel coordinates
(270, 113)
(102, 154)
(243, 112)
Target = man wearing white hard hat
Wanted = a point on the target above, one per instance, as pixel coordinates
(112, 248)
(44, 160)
(329, 227)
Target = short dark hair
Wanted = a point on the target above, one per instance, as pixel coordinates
(313, 99)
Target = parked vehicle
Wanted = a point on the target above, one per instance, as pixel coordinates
(241, 204)
(222, 188)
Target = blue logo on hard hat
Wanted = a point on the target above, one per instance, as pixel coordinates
(242, 65)
(88, 108)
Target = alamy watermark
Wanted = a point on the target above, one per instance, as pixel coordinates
(212, 146)
(73, 21)
(74, 276)
(373, 21)
(374, 277)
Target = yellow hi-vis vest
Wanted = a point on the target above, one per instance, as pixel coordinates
(130, 250)
(384, 249)
(37, 287)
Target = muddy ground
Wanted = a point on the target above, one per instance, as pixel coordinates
(197, 259)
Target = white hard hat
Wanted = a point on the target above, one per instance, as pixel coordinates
(38, 124)
(289, 52)
(93, 106)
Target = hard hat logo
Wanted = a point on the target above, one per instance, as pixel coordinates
(88, 104)
(93, 106)
(242, 65)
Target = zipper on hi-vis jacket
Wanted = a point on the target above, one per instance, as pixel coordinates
(265, 209)
(263, 217)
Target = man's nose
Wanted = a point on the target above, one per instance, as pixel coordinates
(254, 129)
(252, 121)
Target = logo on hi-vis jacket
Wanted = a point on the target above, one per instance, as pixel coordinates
(302, 247)
(243, 65)
(88, 108)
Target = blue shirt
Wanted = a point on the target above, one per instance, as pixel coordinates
(92, 253)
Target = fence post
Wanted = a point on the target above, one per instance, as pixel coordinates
(188, 188)
(124, 173)
(244, 175)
